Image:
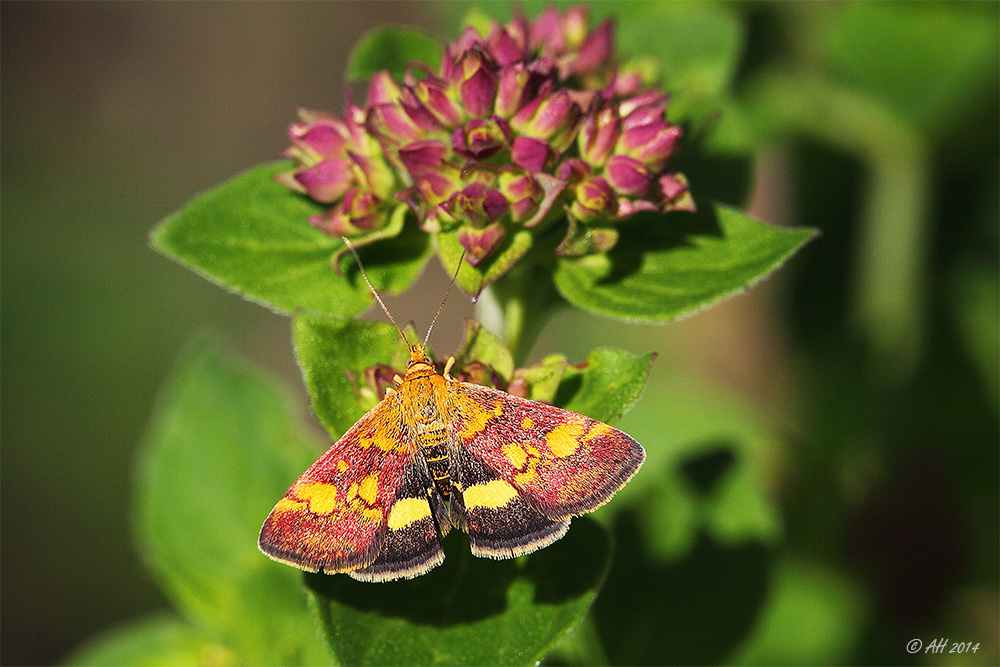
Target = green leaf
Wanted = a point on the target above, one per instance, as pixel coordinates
(468, 611)
(480, 345)
(392, 49)
(606, 385)
(252, 235)
(668, 266)
(333, 355)
(222, 449)
(158, 641)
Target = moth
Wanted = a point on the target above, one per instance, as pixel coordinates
(435, 454)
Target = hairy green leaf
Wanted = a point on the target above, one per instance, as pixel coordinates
(668, 266)
(222, 449)
(468, 611)
(252, 235)
(334, 355)
(606, 385)
(392, 49)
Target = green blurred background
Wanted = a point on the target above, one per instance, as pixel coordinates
(863, 377)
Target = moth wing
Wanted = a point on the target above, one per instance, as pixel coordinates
(501, 523)
(362, 507)
(563, 463)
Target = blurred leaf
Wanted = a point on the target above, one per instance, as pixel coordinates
(333, 355)
(604, 386)
(827, 609)
(975, 305)
(668, 266)
(695, 532)
(252, 235)
(469, 611)
(221, 450)
(697, 47)
(930, 56)
(392, 49)
(158, 641)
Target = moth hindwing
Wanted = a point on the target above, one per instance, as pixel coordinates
(438, 453)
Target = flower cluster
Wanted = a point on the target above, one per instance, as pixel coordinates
(518, 128)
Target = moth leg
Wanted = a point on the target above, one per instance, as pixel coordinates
(398, 380)
(447, 368)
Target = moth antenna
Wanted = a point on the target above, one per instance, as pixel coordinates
(377, 297)
(446, 293)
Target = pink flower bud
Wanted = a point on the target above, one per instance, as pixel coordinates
(480, 243)
(594, 199)
(356, 213)
(326, 181)
(529, 153)
(383, 89)
(477, 93)
(628, 176)
(392, 123)
(431, 94)
(423, 157)
(598, 135)
(596, 49)
(480, 138)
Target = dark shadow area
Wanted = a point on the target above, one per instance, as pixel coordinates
(695, 610)
(568, 389)
(465, 588)
(719, 178)
(656, 232)
(705, 470)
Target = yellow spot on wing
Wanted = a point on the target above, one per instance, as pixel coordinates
(368, 488)
(527, 423)
(494, 494)
(596, 431)
(564, 439)
(341, 465)
(515, 454)
(286, 504)
(408, 511)
(322, 498)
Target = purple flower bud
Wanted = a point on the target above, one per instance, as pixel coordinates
(573, 170)
(319, 139)
(392, 123)
(326, 181)
(431, 94)
(477, 93)
(517, 84)
(357, 212)
(554, 118)
(383, 89)
(652, 143)
(596, 49)
(504, 47)
(480, 243)
(480, 138)
(477, 205)
(529, 153)
(598, 135)
(594, 199)
(628, 176)
(423, 157)
(547, 30)
(676, 195)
